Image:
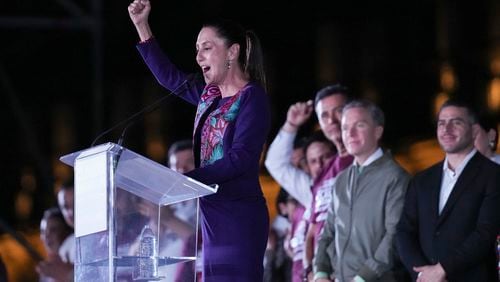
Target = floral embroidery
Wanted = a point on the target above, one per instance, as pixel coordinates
(212, 132)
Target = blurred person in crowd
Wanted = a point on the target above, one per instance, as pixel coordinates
(314, 193)
(319, 151)
(177, 221)
(294, 241)
(53, 232)
(180, 156)
(66, 201)
(181, 159)
(486, 140)
(60, 267)
(278, 263)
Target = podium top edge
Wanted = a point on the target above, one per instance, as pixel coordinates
(70, 158)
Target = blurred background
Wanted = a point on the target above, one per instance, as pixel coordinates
(69, 70)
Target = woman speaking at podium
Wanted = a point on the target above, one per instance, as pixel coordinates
(230, 128)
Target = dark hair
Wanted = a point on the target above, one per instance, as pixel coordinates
(375, 112)
(281, 198)
(68, 185)
(181, 145)
(318, 136)
(488, 122)
(56, 213)
(334, 89)
(299, 142)
(251, 58)
(461, 104)
(53, 212)
(284, 197)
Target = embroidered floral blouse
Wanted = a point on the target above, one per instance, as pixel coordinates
(232, 136)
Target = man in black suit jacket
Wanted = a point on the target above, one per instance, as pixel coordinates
(451, 214)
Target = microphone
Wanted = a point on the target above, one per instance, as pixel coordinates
(130, 120)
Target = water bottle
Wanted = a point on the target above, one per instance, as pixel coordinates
(147, 263)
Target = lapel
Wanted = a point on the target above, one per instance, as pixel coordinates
(464, 181)
(435, 188)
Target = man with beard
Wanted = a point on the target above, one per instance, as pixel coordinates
(450, 219)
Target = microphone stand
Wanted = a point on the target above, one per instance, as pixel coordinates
(130, 120)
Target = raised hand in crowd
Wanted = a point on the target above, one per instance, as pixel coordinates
(297, 115)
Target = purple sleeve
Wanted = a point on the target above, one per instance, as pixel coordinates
(168, 75)
(250, 133)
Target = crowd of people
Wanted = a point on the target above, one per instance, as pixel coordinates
(370, 220)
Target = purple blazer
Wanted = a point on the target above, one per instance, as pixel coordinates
(235, 220)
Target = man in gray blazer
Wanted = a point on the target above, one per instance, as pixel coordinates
(357, 241)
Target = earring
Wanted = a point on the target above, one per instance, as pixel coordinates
(228, 64)
(492, 144)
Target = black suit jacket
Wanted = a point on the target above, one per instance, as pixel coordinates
(462, 238)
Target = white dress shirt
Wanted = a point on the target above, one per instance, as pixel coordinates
(495, 158)
(450, 178)
(373, 157)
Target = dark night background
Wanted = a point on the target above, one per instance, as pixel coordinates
(69, 70)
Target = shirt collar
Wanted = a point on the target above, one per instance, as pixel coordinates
(373, 157)
(461, 166)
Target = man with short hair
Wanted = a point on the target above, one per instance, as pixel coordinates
(356, 243)
(182, 217)
(180, 156)
(314, 193)
(319, 153)
(451, 215)
(328, 105)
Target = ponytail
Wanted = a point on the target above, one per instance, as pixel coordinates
(251, 58)
(254, 59)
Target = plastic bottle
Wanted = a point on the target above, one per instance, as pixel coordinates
(147, 263)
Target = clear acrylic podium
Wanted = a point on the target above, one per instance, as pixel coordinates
(135, 219)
